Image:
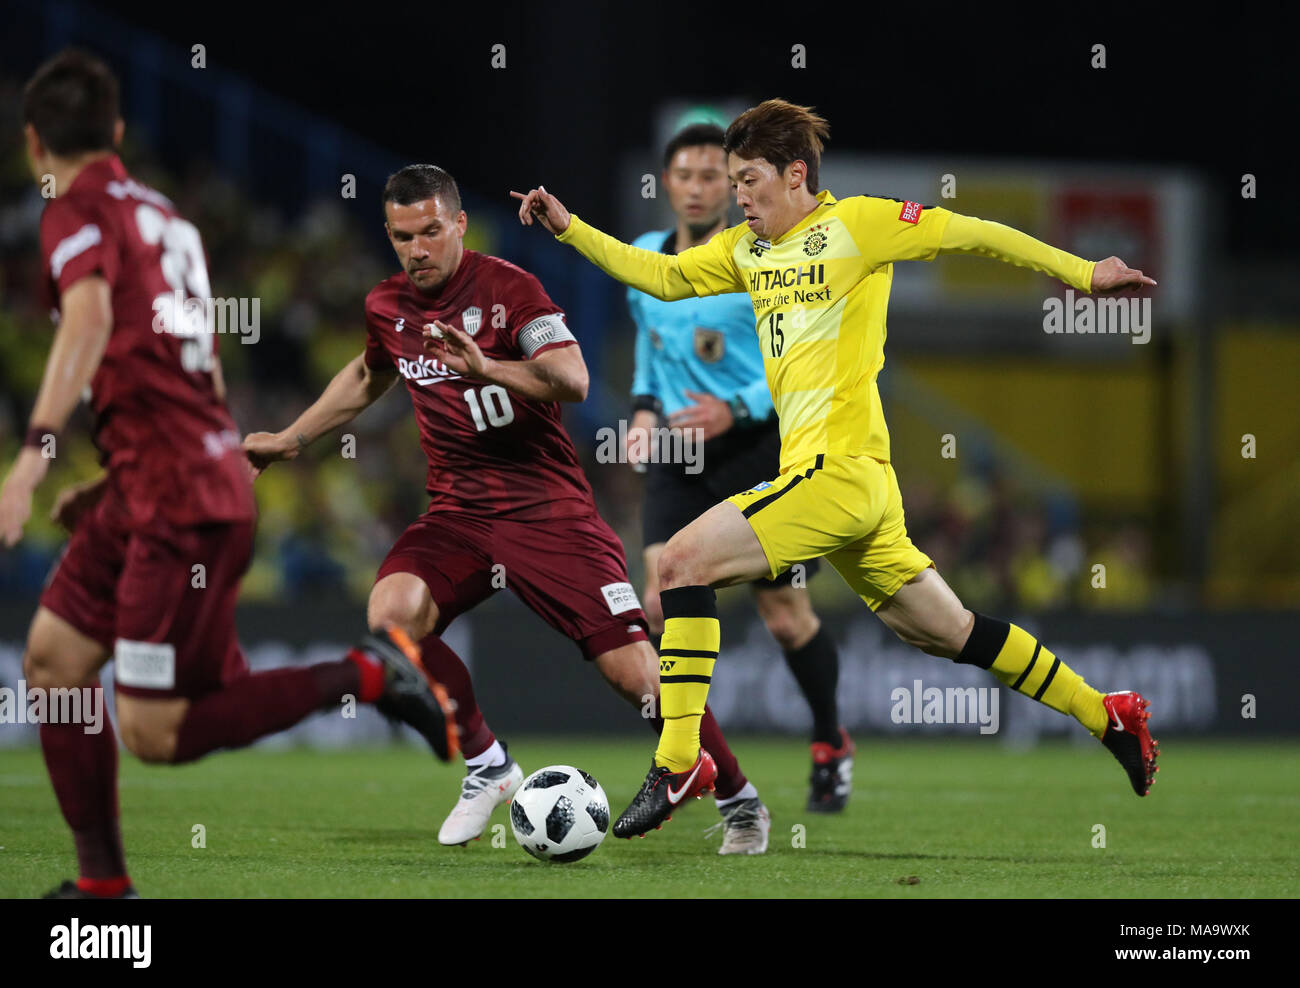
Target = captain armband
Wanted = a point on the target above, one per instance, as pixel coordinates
(542, 331)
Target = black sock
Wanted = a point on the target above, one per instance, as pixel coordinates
(816, 668)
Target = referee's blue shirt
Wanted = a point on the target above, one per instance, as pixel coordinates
(696, 344)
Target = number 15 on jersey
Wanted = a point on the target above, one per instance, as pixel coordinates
(775, 334)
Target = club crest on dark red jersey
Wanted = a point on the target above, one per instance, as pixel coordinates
(471, 319)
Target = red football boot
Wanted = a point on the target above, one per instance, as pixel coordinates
(1129, 740)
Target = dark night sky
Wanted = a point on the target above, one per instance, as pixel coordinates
(581, 81)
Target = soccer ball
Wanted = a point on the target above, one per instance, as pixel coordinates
(560, 813)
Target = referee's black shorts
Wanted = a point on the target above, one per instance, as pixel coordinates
(734, 461)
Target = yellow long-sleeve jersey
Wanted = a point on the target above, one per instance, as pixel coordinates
(820, 293)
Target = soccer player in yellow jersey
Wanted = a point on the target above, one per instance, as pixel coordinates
(818, 271)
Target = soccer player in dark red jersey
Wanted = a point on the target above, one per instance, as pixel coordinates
(160, 541)
(487, 359)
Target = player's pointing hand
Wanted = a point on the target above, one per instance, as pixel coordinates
(541, 205)
(1113, 274)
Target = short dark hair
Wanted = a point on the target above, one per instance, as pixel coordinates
(696, 135)
(415, 183)
(72, 102)
(780, 133)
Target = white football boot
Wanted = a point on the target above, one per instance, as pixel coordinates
(745, 827)
(481, 792)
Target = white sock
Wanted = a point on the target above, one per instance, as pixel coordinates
(748, 792)
(494, 756)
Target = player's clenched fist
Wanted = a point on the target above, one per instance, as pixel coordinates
(265, 448)
(541, 205)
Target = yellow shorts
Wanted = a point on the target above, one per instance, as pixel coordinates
(846, 508)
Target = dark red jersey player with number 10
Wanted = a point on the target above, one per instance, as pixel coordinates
(160, 541)
(487, 359)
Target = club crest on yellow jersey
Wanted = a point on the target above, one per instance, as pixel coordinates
(816, 241)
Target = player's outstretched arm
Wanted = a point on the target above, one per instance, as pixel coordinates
(968, 235)
(559, 374)
(86, 321)
(648, 271)
(354, 389)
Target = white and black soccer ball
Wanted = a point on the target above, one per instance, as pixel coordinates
(560, 813)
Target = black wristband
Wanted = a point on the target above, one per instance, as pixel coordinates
(741, 418)
(647, 403)
(36, 436)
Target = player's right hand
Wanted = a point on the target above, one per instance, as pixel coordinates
(265, 448)
(1113, 275)
(541, 205)
(16, 493)
(15, 509)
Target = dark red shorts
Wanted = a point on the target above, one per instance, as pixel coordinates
(161, 599)
(571, 572)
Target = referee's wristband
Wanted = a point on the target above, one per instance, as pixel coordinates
(647, 403)
(740, 414)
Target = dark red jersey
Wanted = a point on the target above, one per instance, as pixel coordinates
(166, 438)
(489, 450)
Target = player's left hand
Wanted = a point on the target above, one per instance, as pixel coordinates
(712, 416)
(457, 350)
(16, 494)
(73, 502)
(1112, 275)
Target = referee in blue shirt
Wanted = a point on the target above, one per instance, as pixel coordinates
(698, 366)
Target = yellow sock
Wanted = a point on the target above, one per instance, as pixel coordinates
(687, 653)
(1020, 661)
(1088, 710)
(1026, 666)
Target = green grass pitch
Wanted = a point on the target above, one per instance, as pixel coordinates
(964, 818)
